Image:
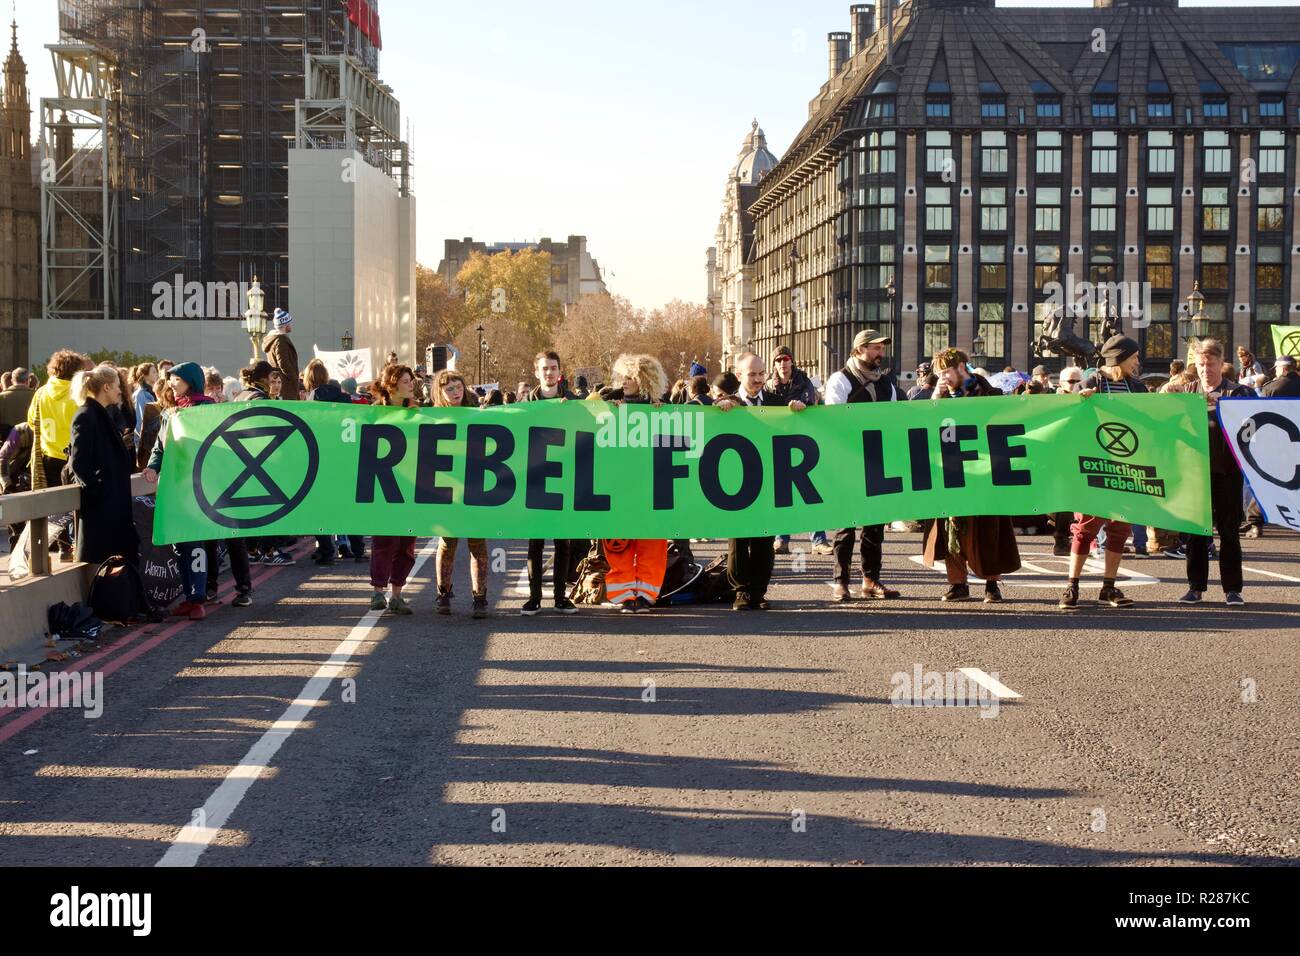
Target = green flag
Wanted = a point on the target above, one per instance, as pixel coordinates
(1286, 340)
(592, 470)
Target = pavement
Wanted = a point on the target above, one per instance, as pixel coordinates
(306, 730)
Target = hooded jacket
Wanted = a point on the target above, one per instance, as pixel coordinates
(799, 389)
(57, 406)
(283, 356)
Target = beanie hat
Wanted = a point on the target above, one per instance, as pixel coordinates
(191, 375)
(282, 318)
(779, 351)
(1118, 349)
(349, 385)
(698, 369)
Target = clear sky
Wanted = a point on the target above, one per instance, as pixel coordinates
(606, 118)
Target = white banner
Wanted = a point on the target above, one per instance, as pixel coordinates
(341, 365)
(1265, 436)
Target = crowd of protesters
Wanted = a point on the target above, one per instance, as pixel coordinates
(95, 425)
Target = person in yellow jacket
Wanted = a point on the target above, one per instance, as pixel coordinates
(50, 417)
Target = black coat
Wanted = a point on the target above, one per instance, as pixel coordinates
(105, 523)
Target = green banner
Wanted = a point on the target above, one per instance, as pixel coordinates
(1286, 340)
(590, 470)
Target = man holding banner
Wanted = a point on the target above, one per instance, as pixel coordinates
(1226, 484)
(550, 387)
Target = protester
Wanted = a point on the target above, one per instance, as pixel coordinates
(1252, 371)
(923, 391)
(725, 385)
(1118, 376)
(102, 467)
(450, 390)
(1286, 384)
(636, 566)
(790, 385)
(282, 355)
(923, 373)
(862, 380)
(214, 386)
(186, 383)
(697, 391)
(15, 469)
(985, 544)
(123, 413)
(143, 379)
(357, 397)
(550, 387)
(165, 367)
(393, 557)
(320, 388)
(1226, 484)
(16, 399)
(256, 379)
(50, 418)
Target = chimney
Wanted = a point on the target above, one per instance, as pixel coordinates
(839, 51)
(863, 18)
(885, 13)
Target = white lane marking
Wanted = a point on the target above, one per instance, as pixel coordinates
(196, 836)
(995, 687)
(1051, 578)
(1272, 574)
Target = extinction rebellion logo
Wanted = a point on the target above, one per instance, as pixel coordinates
(244, 494)
(1120, 442)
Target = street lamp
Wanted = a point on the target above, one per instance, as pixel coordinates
(479, 330)
(347, 341)
(978, 357)
(255, 317)
(1198, 326)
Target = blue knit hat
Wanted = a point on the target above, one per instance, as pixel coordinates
(698, 369)
(282, 318)
(191, 375)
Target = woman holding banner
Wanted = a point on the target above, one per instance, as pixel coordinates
(983, 544)
(451, 391)
(392, 558)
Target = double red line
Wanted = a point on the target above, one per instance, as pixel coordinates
(14, 721)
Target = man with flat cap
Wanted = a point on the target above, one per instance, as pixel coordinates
(1118, 375)
(1042, 377)
(1286, 383)
(863, 380)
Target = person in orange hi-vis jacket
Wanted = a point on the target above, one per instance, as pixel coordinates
(636, 565)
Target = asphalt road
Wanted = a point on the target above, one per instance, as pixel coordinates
(1152, 735)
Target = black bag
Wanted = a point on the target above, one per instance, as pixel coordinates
(117, 592)
(72, 622)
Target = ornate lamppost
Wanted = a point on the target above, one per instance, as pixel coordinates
(978, 356)
(255, 317)
(479, 330)
(347, 341)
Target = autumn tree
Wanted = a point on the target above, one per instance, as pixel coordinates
(680, 333)
(595, 330)
(440, 315)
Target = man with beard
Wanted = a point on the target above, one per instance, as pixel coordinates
(863, 380)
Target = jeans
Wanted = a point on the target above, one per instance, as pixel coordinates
(193, 559)
(814, 537)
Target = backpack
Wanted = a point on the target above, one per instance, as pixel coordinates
(589, 587)
(72, 622)
(117, 592)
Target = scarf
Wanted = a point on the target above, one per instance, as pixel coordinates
(190, 399)
(868, 375)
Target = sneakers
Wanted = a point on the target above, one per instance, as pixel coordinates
(1254, 531)
(531, 608)
(442, 604)
(278, 559)
(992, 593)
(1191, 597)
(378, 602)
(781, 547)
(1114, 597)
(563, 606)
(399, 607)
(242, 599)
(823, 547)
(643, 606)
(1234, 599)
(627, 607)
(875, 591)
(480, 610)
(1178, 553)
(759, 604)
(840, 592)
(741, 603)
(1069, 599)
(958, 592)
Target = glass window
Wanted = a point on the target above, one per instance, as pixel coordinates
(1268, 268)
(993, 109)
(1048, 158)
(1158, 338)
(1160, 268)
(1271, 107)
(1105, 152)
(1160, 152)
(1160, 110)
(881, 108)
(1218, 154)
(938, 267)
(993, 267)
(1047, 265)
(938, 152)
(1103, 110)
(1267, 315)
(1215, 107)
(1272, 152)
(993, 152)
(1216, 216)
(1049, 109)
(992, 328)
(938, 109)
(1214, 267)
(938, 330)
(1272, 215)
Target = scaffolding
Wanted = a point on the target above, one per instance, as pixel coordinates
(196, 108)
